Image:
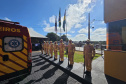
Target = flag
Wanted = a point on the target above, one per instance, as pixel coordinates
(59, 18)
(64, 21)
(55, 23)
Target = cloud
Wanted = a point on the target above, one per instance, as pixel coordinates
(96, 35)
(49, 28)
(78, 26)
(72, 31)
(7, 19)
(75, 15)
(100, 31)
(84, 30)
(68, 35)
(31, 28)
(102, 22)
(79, 37)
(99, 34)
(52, 19)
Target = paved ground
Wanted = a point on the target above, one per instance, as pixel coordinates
(97, 73)
(46, 70)
(43, 73)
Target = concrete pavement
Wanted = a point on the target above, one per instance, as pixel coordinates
(46, 70)
(43, 72)
(97, 73)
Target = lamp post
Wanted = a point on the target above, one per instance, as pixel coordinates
(89, 26)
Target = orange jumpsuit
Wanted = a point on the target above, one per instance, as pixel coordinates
(88, 52)
(61, 51)
(55, 50)
(51, 49)
(47, 48)
(71, 50)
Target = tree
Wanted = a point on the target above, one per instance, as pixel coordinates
(52, 36)
(64, 37)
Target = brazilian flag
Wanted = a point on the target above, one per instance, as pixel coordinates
(64, 21)
(60, 17)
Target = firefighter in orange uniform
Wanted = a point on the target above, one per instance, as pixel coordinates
(61, 48)
(71, 50)
(88, 52)
(47, 48)
(51, 48)
(55, 50)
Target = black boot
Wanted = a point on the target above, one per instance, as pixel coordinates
(88, 73)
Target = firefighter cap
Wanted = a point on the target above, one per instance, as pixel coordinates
(70, 40)
(88, 40)
(61, 40)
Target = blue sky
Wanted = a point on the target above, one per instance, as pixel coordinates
(39, 15)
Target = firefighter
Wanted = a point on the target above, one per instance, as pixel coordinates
(44, 47)
(61, 48)
(71, 50)
(88, 52)
(47, 48)
(51, 49)
(55, 50)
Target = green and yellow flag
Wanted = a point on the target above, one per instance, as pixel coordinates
(60, 18)
(64, 21)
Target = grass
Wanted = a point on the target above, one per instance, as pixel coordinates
(78, 56)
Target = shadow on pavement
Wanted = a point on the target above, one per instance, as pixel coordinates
(35, 55)
(30, 82)
(34, 59)
(43, 67)
(38, 64)
(63, 78)
(112, 80)
(15, 80)
(48, 74)
(37, 60)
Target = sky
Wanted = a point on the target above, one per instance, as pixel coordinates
(39, 15)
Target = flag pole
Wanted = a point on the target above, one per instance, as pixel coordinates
(60, 25)
(66, 39)
(60, 20)
(55, 30)
(60, 31)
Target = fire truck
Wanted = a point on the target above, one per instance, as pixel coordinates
(15, 50)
